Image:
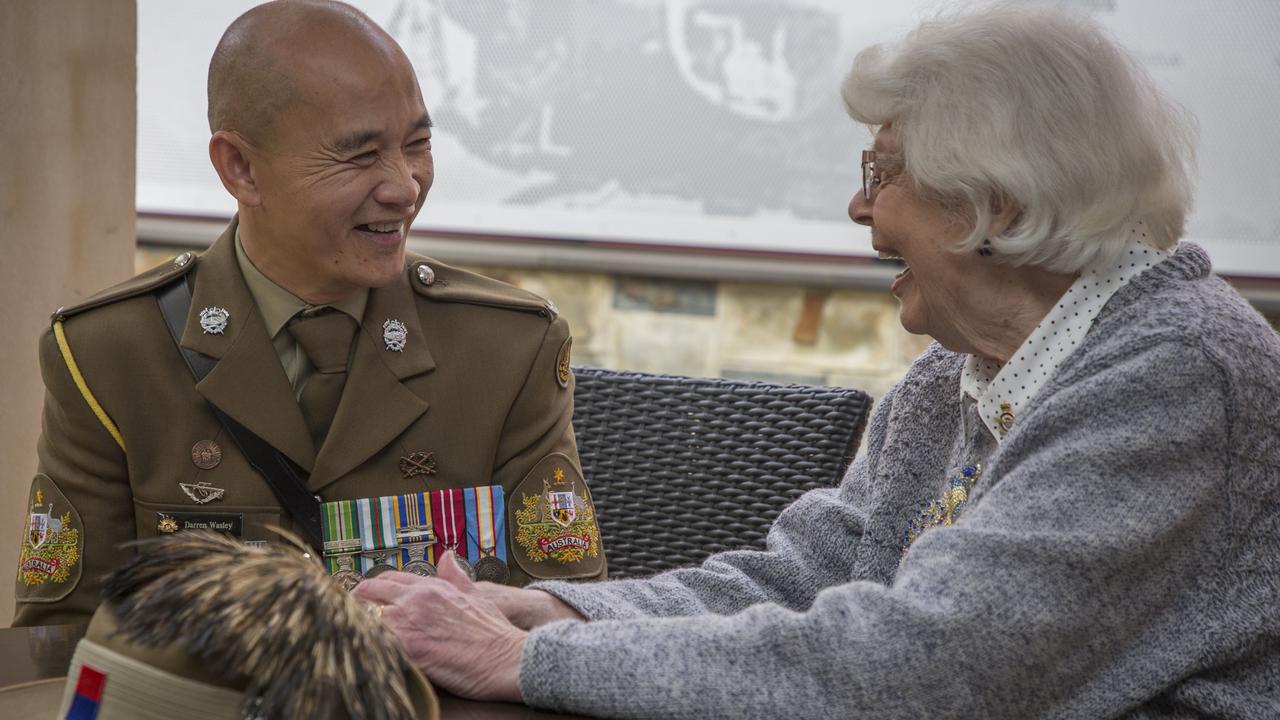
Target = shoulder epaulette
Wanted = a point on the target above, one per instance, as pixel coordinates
(136, 285)
(443, 283)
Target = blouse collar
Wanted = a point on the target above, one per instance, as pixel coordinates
(1003, 393)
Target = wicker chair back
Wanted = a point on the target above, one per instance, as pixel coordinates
(683, 467)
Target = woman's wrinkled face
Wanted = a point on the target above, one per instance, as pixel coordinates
(936, 289)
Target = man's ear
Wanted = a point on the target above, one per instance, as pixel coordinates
(231, 157)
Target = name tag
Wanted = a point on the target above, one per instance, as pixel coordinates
(227, 523)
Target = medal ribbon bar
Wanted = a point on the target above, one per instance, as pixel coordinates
(359, 534)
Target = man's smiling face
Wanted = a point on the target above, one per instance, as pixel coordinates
(343, 174)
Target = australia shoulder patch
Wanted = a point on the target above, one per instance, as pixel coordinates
(556, 535)
(49, 565)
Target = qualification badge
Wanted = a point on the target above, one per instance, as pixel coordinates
(202, 492)
(395, 335)
(213, 320)
(418, 463)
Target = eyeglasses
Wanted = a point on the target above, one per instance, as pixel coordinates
(869, 176)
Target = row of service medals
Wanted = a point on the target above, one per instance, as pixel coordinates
(414, 539)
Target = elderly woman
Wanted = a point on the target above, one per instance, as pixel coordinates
(1068, 507)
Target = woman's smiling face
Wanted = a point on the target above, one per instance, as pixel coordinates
(940, 288)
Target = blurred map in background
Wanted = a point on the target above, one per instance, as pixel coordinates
(713, 123)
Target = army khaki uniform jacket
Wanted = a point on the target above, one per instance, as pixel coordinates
(471, 418)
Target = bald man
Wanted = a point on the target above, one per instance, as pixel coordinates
(306, 371)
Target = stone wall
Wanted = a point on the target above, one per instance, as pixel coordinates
(758, 331)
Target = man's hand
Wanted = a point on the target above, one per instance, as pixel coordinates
(451, 631)
(527, 609)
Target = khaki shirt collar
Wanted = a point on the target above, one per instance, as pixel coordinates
(278, 306)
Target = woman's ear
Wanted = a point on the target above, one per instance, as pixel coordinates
(1004, 213)
(232, 158)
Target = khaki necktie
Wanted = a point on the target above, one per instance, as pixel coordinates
(326, 339)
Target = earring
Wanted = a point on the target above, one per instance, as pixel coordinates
(985, 250)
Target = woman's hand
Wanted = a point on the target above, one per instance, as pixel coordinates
(451, 630)
(525, 608)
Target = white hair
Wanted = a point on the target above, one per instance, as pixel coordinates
(1038, 106)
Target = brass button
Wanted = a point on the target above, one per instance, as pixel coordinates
(426, 275)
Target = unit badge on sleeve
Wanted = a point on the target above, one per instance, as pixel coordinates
(49, 565)
(556, 532)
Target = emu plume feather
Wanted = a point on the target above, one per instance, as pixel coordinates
(267, 618)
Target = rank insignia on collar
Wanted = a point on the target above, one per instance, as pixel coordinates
(395, 334)
(418, 463)
(202, 492)
(213, 320)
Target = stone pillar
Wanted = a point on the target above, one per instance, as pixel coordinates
(67, 137)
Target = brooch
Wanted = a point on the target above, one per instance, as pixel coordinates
(945, 510)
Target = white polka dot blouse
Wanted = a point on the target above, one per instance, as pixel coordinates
(1001, 393)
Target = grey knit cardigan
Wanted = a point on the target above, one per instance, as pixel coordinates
(1120, 556)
